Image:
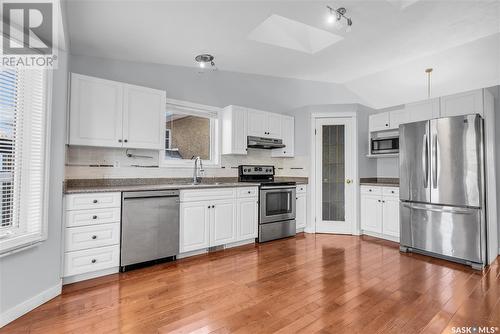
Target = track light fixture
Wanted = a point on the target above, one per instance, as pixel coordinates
(336, 15)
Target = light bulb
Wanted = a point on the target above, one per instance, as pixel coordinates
(331, 18)
(202, 64)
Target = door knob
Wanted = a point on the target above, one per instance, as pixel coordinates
(348, 181)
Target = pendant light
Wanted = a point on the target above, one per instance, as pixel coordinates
(429, 72)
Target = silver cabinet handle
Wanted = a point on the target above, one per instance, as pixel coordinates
(460, 211)
(94, 237)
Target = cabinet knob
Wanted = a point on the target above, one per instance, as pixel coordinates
(379, 201)
(284, 151)
(126, 140)
(386, 124)
(93, 261)
(213, 206)
(369, 190)
(249, 192)
(209, 206)
(95, 201)
(94, 217)
(119, 140)
(94, 237)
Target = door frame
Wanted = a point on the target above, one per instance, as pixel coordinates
(312, 204)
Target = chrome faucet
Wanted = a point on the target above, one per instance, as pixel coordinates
(196, 178)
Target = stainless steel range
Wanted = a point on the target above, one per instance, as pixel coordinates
(276, 202)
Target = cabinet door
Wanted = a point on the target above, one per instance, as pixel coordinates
(247, 218)
(95, 112)
(223, 222)
(397, 117)
(234, 130)
(288, 136)
(194, 226)
(379, 122)
(390, 225)
(371, 213)
(423, 110)
(143, 118)
(274, 122)
(257, 123)
(301, 211)
(462, 104)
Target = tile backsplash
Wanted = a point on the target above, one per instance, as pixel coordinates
(97, 162)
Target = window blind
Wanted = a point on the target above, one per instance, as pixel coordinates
(23, 145)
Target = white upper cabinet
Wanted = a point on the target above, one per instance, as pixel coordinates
(379, 122)
(398, 117)
(114, 114)
(257, 123)
(234, 130)
(143, 117)
(423, 110)
(462, 104)
(263, 124)
(96, 112)
(288, 136)
(274, 125)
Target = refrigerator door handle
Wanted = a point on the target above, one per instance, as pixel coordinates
(434, 161)
(425, 161)
(461, 211)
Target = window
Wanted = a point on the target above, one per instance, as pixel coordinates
(191, 130)
(23, 145)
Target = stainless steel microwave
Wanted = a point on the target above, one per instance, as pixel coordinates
(384, 145)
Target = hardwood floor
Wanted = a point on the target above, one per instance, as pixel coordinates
(311, 283)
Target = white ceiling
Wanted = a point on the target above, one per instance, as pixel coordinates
(386, 34)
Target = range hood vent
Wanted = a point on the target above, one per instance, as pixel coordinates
(264, 143)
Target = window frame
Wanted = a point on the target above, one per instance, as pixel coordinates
(16, 238)
(200, 110)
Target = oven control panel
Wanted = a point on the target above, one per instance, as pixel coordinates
(256, 170)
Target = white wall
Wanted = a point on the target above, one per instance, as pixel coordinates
(35, 273)
(219, 88)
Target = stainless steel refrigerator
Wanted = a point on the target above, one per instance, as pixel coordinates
(442, 192)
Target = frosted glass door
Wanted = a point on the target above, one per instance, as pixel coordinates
(333, 176)
(335, 166)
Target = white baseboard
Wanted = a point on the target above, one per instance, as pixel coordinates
(309, 230)
(86, 276)
(30, 304)
(381, 236)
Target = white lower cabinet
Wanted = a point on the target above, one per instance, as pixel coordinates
(194, 226)
(91, 234)
(223, 222)
(380, 211)
(301, 207)
(390, 216)
(248, 211)
(224, 216)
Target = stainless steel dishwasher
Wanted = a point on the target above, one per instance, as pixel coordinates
(150, 227)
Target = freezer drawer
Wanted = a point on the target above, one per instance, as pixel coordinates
(449, 231)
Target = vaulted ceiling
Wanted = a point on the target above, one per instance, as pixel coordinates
(390, 45)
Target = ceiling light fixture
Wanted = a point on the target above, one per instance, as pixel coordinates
(206, 61)
(335, 16)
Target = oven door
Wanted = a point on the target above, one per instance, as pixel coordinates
(277, 203)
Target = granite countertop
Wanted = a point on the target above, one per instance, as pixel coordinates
(379, 181)
(76, 186)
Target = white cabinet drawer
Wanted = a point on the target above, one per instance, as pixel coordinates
(371, 190)
(92, 217)
(89, 260)
(84, 237)
(192, 195)
(301, 189)
(390, 191)
(93, 201)
(247, 192)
